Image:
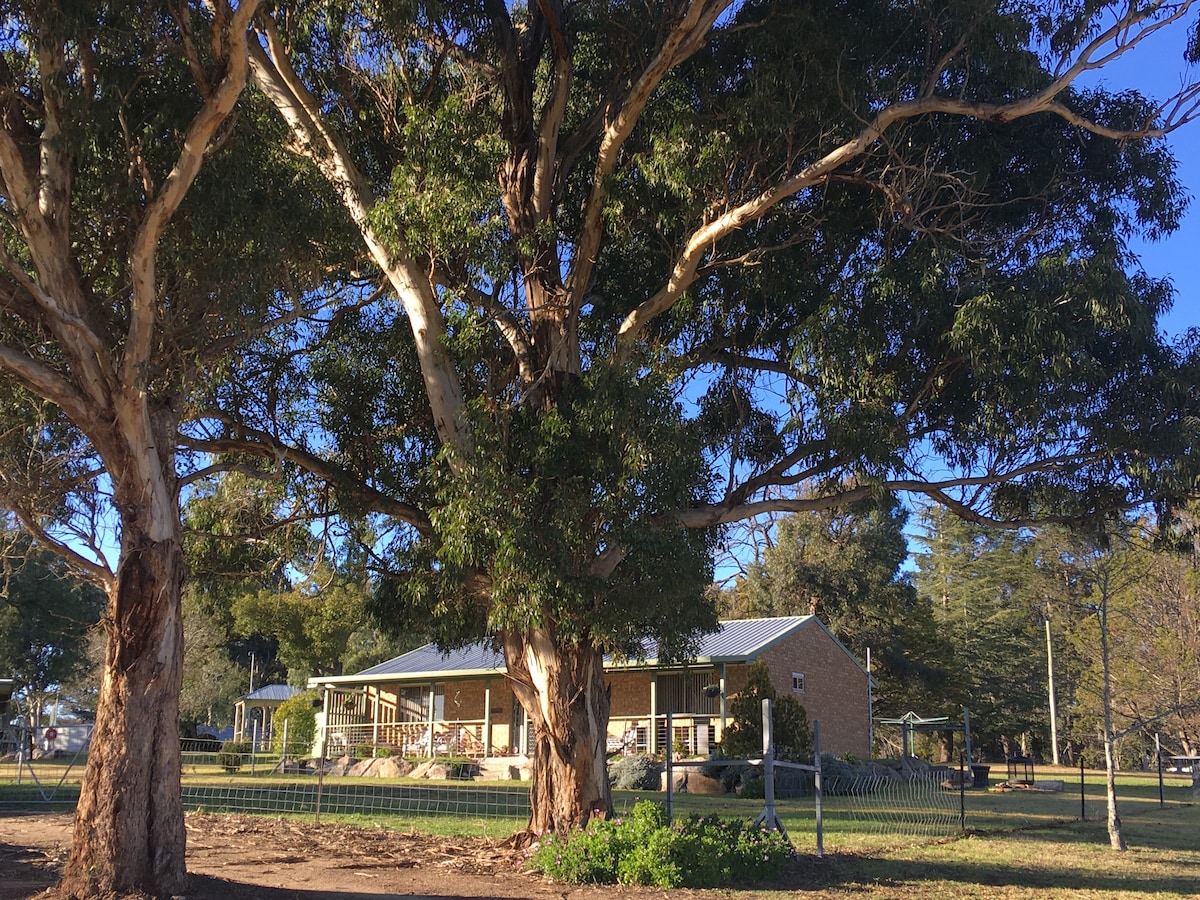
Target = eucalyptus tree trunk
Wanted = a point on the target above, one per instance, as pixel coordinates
(1116, 837)
(561, 686)
(129, 833)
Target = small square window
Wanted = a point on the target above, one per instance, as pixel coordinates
(798, 682)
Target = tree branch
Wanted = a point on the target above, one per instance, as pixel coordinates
(216, 107)
(683, 273)
(259, 443)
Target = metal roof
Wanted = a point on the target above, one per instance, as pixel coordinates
(272, 692)
(475, 659)
(737, 641)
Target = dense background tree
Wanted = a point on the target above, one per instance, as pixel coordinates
(46, 614)
(979, 582)
(846, 566)
(888, 257)
(278, 584)
(211, 682)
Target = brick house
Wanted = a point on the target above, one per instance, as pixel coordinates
(426, 702)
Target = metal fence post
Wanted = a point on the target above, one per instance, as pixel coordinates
(670, 775)
(962, 794)
(818, 789)
(1158, 757)
(1082, 797)
(769, 764)
(320, 783)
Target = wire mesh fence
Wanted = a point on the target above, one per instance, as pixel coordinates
(354, 797)
(917, 807)
(233, 779)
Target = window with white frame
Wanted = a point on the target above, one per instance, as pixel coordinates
(798, 682)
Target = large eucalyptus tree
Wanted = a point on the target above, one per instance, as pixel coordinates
(661, 264)
(140, 241)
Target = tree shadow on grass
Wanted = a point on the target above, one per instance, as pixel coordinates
(990, 874)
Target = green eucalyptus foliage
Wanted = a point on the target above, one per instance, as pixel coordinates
(545, 494)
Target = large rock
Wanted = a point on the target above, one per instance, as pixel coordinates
(394, 767)
(437, 770)
(702, 784)
(679, 781)
(364, 767)
(422, 771)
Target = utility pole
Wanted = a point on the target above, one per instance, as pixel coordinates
(1053, 704)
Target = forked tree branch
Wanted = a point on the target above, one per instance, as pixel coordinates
(684, 271)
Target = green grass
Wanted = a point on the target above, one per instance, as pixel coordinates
(1019, 845)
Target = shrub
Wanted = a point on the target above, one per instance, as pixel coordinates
(634, 773)
(754, 789)
(644, 848)
(744, 736)
(301, 720)
(233, 754)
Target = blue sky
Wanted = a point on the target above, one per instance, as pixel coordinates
(1156, 68)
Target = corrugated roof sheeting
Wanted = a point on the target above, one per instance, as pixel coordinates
(475, 658)
(738, 639)
(273, 692)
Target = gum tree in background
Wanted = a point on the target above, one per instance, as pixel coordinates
(45, 616)
(650, 270)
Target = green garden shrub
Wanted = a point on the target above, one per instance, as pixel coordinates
(635, 773)
(233, 754)
(301, 720)
(743, 738)
(644, 848)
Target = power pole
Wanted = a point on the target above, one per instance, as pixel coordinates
(1053, 704)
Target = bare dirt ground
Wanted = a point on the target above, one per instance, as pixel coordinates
(259, 858)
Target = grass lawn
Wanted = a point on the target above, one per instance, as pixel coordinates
(1018, 846)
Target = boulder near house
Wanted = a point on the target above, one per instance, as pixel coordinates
(426, 703)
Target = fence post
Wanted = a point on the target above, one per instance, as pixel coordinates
(769, 763)
(320, 782)
(818, 789)
(253, 746)
(284, 749)
(1158, 757)
(962, 795)
(1082, 799)
(670, 775)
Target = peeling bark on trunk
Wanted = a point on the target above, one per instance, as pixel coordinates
(562, 688)
(129, 833)
(1116, 837)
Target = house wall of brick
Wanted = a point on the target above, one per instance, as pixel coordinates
(629, 692)
(835, 688)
